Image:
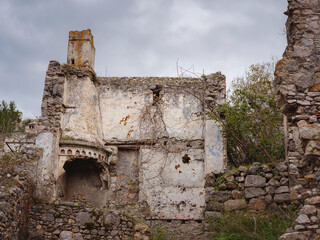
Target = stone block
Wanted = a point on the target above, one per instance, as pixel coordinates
(313, 200)
(236, 204)
(237, 194)
(302, 219)
(270, 190)
(273, 182)
(47, 217)
(308, 131)
(295, 236)
(243, 169)
(308, 210)
(282, 197)
(254, 192)
(254, 181)
(281, 167)
(253, 170)
(66, 235)
(83, 217)
(214, 206)
(220, 196)
(282, 189)
(313, 148)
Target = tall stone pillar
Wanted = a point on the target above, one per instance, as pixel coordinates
(297, 84)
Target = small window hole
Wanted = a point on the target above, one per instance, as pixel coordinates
(72, 61)
(186, 158)
(156, 93)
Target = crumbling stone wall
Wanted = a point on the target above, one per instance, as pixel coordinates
(75, 220)
(15, 201)
(78, 221)
(52, 99)
(257, 187)
(297, 81)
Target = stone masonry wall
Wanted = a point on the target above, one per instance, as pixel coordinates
(78, 221)
(51, 107)
(15, 200)
(75, 220)
(297, 84)
(258, 187)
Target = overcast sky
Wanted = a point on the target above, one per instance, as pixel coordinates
(135, 38)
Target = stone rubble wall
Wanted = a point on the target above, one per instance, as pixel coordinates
(215, 139)
(52, 100)
(215, 91)
(297, 85)
(258, 187)
(75, 220)
(78, 221)
(261, 187)
(307, 223)
(15, 201)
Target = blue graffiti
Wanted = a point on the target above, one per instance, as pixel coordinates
(214, 153)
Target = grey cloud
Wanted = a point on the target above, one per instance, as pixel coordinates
(135, 38)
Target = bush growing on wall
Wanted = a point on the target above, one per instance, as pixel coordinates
(253, 122)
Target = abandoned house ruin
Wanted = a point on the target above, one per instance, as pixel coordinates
(106, 147)
(139, 139)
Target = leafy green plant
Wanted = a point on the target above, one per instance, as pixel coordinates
(252, 120)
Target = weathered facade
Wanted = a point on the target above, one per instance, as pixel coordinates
(297, 84)
(138, 140)
(141, 148)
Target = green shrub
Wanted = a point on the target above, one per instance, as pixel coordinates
(252, 120)
(9, 117)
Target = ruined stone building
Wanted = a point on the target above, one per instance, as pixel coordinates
(107, 146)
(136, 140)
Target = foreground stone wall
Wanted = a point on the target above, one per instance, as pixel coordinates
(258, 187)
(78, 221)
(75, 220)
(297, 81)
(15, 201)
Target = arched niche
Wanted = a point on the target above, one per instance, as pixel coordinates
(84, 179)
